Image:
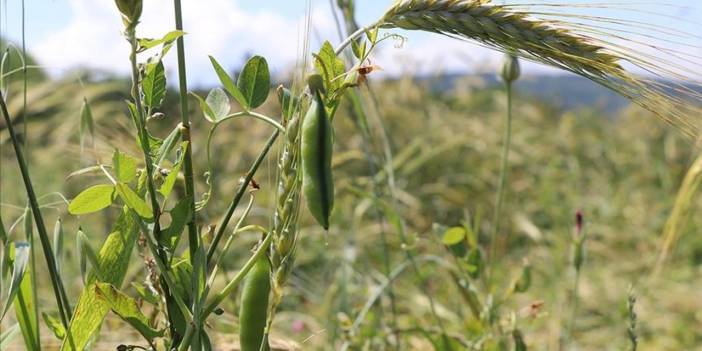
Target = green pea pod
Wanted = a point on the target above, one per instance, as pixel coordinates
(317, 182)
(254, 306)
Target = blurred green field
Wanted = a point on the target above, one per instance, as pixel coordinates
(622, 172)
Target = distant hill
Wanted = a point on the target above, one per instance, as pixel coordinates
(563, 91)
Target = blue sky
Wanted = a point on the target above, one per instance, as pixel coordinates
(65, 34)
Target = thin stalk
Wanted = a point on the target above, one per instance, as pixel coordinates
(221, 228)
(193, 237)
(353, 36)
(574, 311)
(56, 282)
(506, 144)
(25, 142)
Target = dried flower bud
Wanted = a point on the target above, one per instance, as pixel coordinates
(578, 222)
(131, 11)
(510, 69)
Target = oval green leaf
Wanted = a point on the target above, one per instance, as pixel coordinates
(92, 199)
(453, 236)
(255, 81)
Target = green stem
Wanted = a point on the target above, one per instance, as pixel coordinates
(576, 302)
(193, 237)
(506, 144)
(221, 228)
(353, 36)
(56, 282)
(256, 115)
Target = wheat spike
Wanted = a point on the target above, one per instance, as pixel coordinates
(568, 46)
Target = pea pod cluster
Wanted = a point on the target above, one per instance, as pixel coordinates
(254, 306)
(317, 180)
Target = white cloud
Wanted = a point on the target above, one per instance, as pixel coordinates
(92, 37)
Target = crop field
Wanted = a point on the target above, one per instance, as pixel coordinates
(185, 200)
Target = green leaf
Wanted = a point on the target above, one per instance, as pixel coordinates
(169, 37)
(114, 256)
(126, 308)
(181, 214)
(153, 86)
(228, 84)
(255, 81)
(453, 236)
(167, 185)
(330, 67)
(92, 199)
(55, 325)
(359, 50)
(218, 102)
(20, 257)
(133, 200)
(372, 35)
(124, 166)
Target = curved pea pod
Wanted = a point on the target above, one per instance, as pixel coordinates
(254, 306)
(317, 180)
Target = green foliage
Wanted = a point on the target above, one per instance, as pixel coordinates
(124, 166)
(92, 199)
(254, 82)
(228, 84)
(154, 84)
(113, 258)
(126, 308)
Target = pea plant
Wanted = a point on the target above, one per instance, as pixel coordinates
(180, 285)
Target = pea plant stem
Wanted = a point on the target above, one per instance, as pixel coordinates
(504, 158)
(140, 122)
(221, 228)
(56, 282)
(193, 237)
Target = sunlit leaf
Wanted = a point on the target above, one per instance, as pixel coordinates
(124, 166)
(133, 200)
(114, 257)
(169, 37)
(55, 325)
(218, 102)
(92, 199)
(126, 308)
